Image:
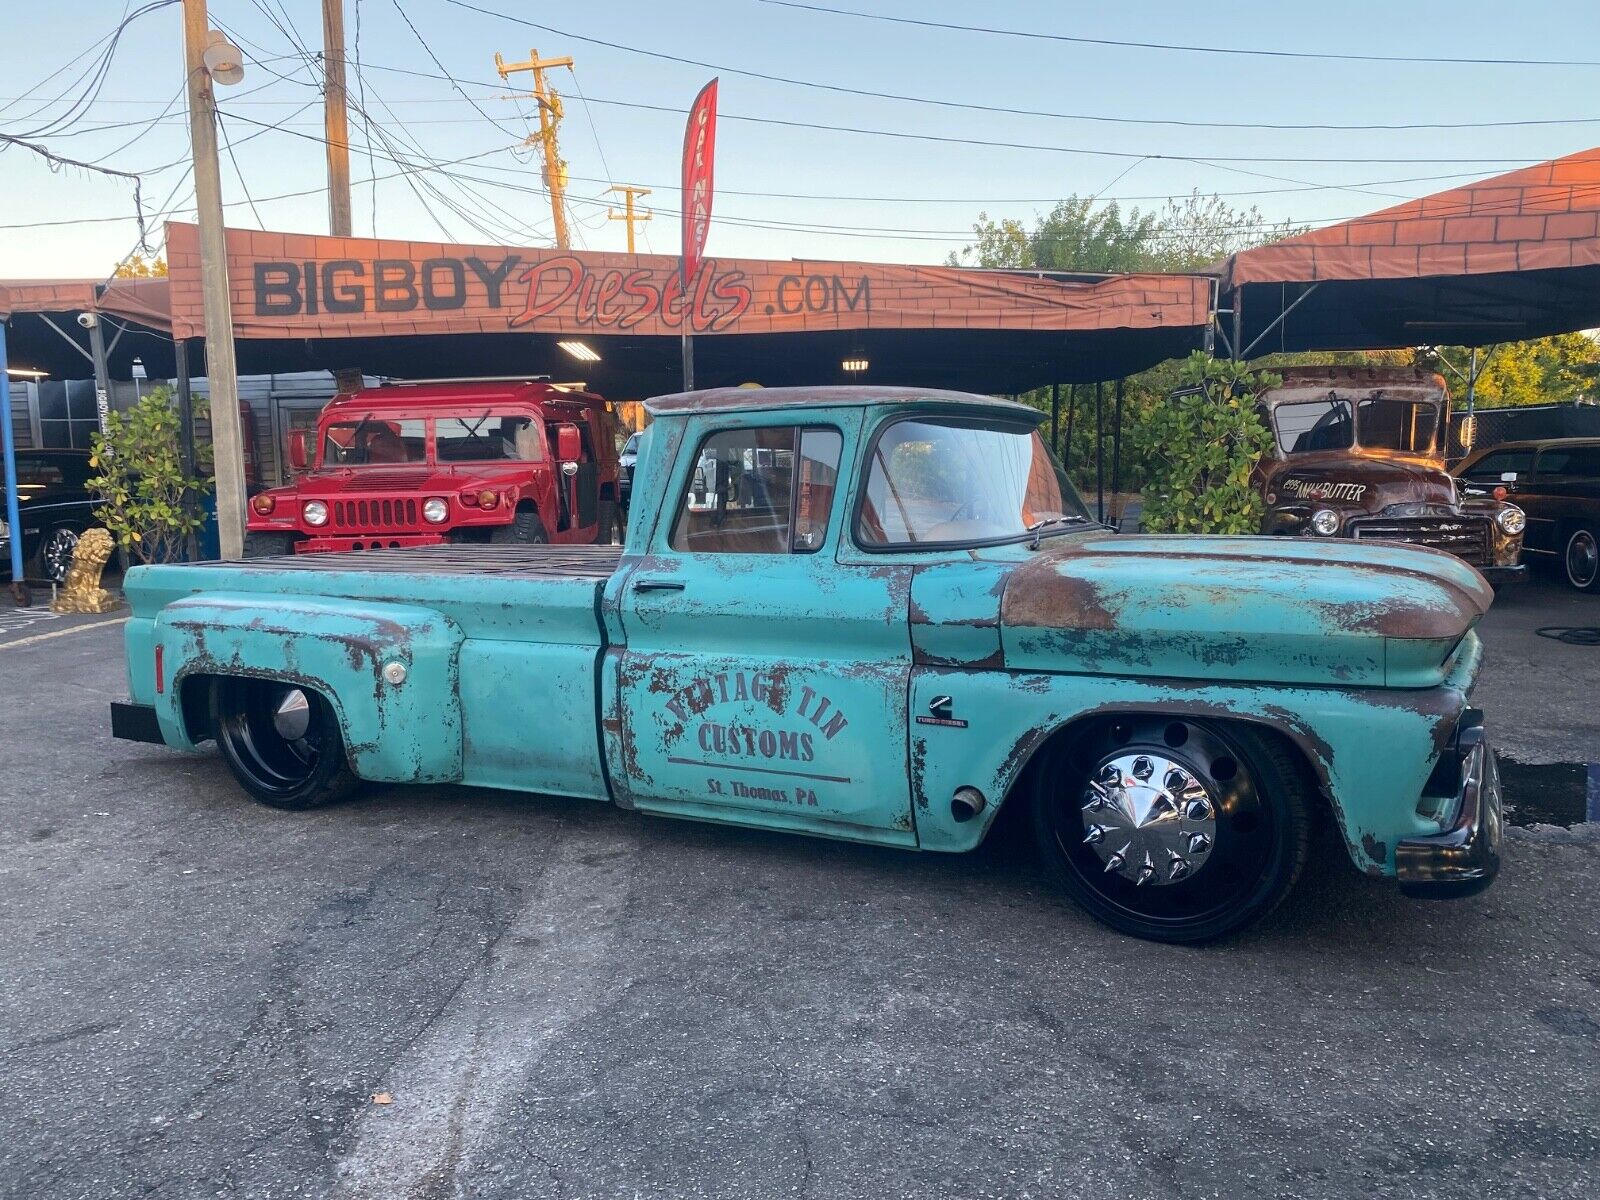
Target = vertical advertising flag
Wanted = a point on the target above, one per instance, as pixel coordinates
(699, 153)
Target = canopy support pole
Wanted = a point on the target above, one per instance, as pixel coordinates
(1072, 408)
(1055, 416)
(1116, 450)
(1276, 321)
(19, 586)
(1099, 453)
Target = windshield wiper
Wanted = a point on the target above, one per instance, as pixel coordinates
(1038, 527)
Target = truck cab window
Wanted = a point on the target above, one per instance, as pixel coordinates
(489, 437)
(375, 441)
(760, 491)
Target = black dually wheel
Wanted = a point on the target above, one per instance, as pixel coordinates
(1173, 829)
(282, 743)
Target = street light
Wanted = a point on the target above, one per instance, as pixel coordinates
(224, 61)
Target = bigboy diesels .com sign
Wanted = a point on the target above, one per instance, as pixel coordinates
(301, 286)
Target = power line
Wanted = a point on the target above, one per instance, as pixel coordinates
(844, 89)
(1091, 41)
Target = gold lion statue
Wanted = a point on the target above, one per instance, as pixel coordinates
(82, 592)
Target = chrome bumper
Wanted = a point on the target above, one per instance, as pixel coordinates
(1463, 860)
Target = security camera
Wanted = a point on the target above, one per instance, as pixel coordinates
(88, 320)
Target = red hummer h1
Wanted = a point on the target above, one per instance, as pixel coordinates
(416, 464)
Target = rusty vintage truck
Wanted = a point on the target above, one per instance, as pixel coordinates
(881, 615)
(1358, 452)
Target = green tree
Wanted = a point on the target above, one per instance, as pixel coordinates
(136, 266)
(145, 495)
(1199, 447)
(1549, 370)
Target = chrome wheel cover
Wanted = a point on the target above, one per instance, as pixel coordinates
(1149, 818)
(57, 554)
(1583, 559)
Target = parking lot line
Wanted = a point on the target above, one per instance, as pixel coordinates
(45, 637)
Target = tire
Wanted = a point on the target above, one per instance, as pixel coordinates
(526, 529)
(281, 743)
(1581, 559)
(610, 531)
(53, 558)
(1219, 842)
(268, 545)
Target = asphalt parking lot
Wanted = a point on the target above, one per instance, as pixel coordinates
(202, 997)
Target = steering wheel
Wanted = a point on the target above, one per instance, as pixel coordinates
(970, 503)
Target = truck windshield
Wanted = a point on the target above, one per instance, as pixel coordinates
(1314, 425)
(1405, 426)
(488, 437)
(949, 481)
(375, 441)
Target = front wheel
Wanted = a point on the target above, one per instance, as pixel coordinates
(268, 545)
(282, 743)
(1582, 560)
(610, 531)
(1173, 829)
(526, 529)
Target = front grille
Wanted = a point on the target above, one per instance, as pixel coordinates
(1465, 537)
(375, 516)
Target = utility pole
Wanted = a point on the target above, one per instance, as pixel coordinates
(221, 366)
(336, 118)
(629, 193)
(550, 112)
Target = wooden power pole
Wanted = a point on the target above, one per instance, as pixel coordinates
(336, 118)
(221, 367)
(555, 171)
(629, 194)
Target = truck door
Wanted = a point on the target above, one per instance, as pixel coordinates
(763, 682)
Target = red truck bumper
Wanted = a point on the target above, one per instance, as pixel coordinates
(387, 541)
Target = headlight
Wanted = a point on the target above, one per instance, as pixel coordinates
(1325, 521)
(315, 512)
(1511, 519)
(435, 510)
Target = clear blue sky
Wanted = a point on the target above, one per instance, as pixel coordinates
(638, 146)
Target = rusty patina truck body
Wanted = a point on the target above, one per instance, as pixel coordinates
(1358, 452)
(876, 614)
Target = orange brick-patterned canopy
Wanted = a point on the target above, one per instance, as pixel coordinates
(1538, 218)
(299, 286)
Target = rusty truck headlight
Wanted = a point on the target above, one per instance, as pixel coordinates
(436, 510)
(1325, 521)
(1511, 519)
(315, 512)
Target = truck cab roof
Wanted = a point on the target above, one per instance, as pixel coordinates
(463, 393)
(741, 399)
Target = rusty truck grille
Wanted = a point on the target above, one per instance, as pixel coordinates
(375, 516)
(1465, 537)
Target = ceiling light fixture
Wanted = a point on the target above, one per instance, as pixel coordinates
(854, 364)
(579, 351)
(26, 372)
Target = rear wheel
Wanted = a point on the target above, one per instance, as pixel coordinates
(1173, 829)
(1582, 560)
(268, 545)
(610, 531)
(525, 529)
(282, 743)
(53, 559)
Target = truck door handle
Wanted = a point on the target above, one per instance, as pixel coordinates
(657, 585)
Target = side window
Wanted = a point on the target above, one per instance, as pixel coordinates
(1572, 462)
(760, 491)
(1490, 467)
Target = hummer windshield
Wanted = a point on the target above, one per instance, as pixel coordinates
(488, 436)
(948, 481)
(1375, 422)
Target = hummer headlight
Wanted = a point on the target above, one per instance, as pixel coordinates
(1511, 519)
(1325, 521)
(315, 512)
(435, 510)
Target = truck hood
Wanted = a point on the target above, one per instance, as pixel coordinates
(1358, 483)
(1241, 608)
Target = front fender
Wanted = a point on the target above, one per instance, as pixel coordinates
(393, 733)
(1372, 749)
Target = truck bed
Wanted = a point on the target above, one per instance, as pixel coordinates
(533, 562)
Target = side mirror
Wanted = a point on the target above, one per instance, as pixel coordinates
(569, 445)
(1508, 476)
(300, 449)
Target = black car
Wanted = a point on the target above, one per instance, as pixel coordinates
(55, 505)
(1556, 482)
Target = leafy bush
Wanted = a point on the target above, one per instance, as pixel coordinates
(1199, 447)
(147, 502)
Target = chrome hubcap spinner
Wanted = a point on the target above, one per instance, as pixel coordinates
(1149, 819)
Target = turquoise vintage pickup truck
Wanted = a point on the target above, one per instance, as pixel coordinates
(879, 614)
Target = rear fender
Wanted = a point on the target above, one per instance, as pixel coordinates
(394, 733)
